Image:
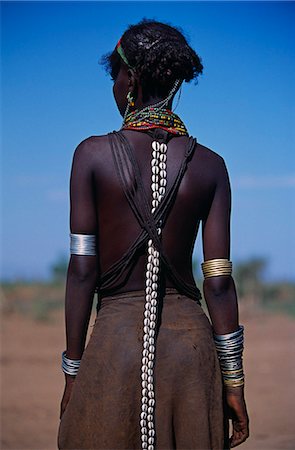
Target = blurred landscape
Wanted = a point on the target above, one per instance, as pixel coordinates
(33, 338)
(39, 299)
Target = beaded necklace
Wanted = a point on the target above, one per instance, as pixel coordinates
(155, 116)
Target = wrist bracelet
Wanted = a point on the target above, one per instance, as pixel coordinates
(70, 366)
(229, 349)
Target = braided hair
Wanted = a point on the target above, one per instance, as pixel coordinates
(160, 55)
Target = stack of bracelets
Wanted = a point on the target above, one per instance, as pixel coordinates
(230, 350)
(229, 346)
(70, 366)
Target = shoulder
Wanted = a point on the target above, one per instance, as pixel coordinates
(208, 155)
(91, 151)
(91, 145)
(209, 160)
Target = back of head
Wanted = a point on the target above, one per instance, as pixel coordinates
(160, 55)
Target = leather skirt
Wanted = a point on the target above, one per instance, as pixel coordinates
(104, 409)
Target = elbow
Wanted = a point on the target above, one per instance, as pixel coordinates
(218, 287)
(83, 277)
(83, 270)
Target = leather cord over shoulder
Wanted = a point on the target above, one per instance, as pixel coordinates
(129, 175)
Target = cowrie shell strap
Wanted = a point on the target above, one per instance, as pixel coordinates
(158, 187)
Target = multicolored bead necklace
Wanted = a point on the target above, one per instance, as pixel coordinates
(153, 117)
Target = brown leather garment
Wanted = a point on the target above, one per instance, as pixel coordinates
(104, 409)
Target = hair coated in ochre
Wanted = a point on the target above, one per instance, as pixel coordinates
(160, 55)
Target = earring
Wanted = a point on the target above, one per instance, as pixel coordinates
(179, 95)
(130, 99)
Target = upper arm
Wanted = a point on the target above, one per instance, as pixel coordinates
(216, 225)
(83, 218)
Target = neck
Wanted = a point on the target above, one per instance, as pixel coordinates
(152, 101)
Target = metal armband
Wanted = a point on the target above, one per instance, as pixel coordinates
(216, 267)
(83, 244)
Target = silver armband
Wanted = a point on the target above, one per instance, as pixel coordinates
(83, 244)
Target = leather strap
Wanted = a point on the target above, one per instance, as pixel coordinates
(129, 175)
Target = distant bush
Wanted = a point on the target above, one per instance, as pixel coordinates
(34, 300)
(59, 269)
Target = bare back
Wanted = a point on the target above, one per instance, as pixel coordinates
(99, 205)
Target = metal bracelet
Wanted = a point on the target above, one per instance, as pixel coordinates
(70, 366)
(216, 267)
(83, 244)
(229, 336)
(229, 349)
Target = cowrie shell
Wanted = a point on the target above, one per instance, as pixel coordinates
(156, 145)
(144, 392)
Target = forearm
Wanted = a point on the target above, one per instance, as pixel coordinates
(82, 279)
(221, 298)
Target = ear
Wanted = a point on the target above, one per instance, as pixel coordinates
(132, 80)
(133, 83)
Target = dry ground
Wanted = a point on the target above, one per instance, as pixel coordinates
(32, 382)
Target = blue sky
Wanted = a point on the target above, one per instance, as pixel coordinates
(54, 94)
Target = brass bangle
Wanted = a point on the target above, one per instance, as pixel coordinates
(234, 382)
(216, 272)
(230, 372)
(230, 383)
(216, 267)
(216, 261)
(235, 385)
